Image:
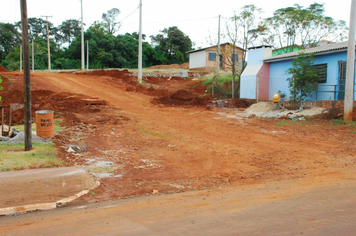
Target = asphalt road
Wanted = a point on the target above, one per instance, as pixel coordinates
(273, 209)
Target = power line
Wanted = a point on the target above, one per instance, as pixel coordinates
(174, 21)
(129, 14)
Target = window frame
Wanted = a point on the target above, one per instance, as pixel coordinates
(211, 55)
(322, 70)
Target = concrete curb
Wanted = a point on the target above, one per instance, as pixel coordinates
(45, 206)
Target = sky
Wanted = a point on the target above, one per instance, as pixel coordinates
(196, 18)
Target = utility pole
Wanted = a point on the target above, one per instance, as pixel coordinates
(20, 58)
(82, 41)
(87, 54)
(26, 76)
(350, 71)
(140, 47)
(33, 57)
(218, 60)
(48, 45)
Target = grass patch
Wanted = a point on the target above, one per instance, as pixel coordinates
(223, 81)
(290, 122)
(13, 157)
(338, 122)
(140, 128)
(57, 126)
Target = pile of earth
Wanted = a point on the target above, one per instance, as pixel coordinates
(3, 69)
(182, 98)
(111, 73)
(66, 105)
(172, 66)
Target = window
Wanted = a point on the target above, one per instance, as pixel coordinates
(212, 56)
(234, 55)
(322, 72)
(342, 70)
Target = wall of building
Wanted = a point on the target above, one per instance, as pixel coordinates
(278, 77)
(211, 64)
(252, 70)
(197, 60)
(263, 82)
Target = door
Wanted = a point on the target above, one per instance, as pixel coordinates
(342, 78)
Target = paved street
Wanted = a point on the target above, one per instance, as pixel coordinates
(250, 210)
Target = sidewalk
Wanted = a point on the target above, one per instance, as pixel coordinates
(42, 189)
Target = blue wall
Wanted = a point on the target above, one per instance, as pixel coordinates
(278, 76)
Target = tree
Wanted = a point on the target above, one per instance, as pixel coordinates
(304, 77)
(300, 27)
(9, 38)
(136, 35)
(109, 20)
(241, 30)
(69, 29)
(173, 43)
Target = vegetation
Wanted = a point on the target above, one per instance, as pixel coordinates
(1, 88)
(240, 31)
(106, 50)
(300, 27)
(338, 122)
(13, 157)
(223, 81)
(304, 77)
(289, 27)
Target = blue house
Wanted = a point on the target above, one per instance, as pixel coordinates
(269, 74)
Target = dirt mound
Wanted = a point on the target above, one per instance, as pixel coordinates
(183, 95)
(111, 73)
(172, 66)
(260, 107)
(3, 69)
(240, 103)
(182, 98)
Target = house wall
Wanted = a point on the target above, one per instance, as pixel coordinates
(253, 69)
(197, 59)
(211, 64)
(278, 76)
(263, 87)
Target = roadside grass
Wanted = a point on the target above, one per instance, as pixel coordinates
(42, 155)
(162, 71)
(338, 122)
(290, 122)
(57, 126)
(142, 129)
(223, 81)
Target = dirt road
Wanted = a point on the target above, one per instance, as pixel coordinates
(160, 138)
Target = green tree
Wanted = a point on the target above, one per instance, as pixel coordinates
(303, 78)
(172, 43)
(301, 27)
(9, 38)
(241, 31)
(1, 88)
(109, 20)
(69, 29)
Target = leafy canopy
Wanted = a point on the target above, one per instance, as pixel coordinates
(303, 78)
(301, 27)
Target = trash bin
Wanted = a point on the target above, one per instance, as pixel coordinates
(45, 123)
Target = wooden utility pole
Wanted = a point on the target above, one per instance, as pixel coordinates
(87, 54)
(26, 76)
(21, 58)
(140, 46)
(82, 36)
(218, 59)
(33, 56)
(48, 45)
(350, 71)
